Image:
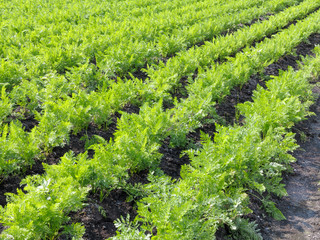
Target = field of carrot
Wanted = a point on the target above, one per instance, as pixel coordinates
(139, 119)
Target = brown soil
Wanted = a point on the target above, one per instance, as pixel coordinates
(98, 216)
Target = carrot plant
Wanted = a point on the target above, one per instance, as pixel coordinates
(165, 77)
(17, 152)
(6, 105)
(46, 198)
(214, 188)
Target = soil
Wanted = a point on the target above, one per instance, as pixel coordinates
(240, 94)
(11, 183)
(172, 159)
(98, 216)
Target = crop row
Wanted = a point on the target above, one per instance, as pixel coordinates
(113, 10)
(214, 188)
(31, 50)
(135, 145)
(62, 113)
(165, 77)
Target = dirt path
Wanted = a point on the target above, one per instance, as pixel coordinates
(302, 205)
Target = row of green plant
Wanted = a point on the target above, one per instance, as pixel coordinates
(165, 77)
(31, 50)
(241, 161)
(214, 83)
(86, 76)
(61, 113)
(55, 125)
(135, 55)
(113, 10)
(135, 147)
